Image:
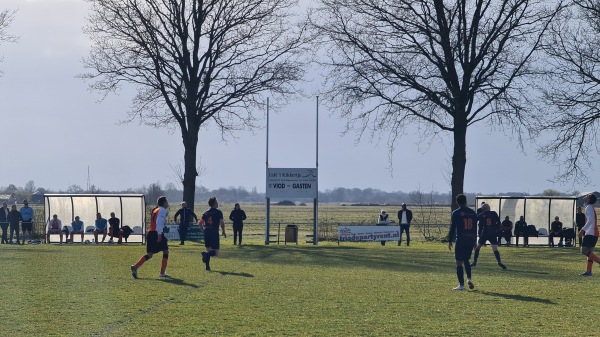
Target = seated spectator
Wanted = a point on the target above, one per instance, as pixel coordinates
(521, 231)
(556, 229)
(505, 231)
(115, 228)
(54, 227)
(77, 228)
(383, 220)
(100, 228)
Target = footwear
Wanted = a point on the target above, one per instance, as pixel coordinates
(208, 267)
(460, 287)
(204, 257)
(181, 243)
(502, 265)
(587, 273)
(164, 275)
(473, 264)
(134, 272)
(470, 283)
(399, 243)
(110, 241)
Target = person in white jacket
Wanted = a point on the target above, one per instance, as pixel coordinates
(383, 220)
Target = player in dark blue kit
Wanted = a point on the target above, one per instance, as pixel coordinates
(489, 226)
(464, 229)
(210, 222)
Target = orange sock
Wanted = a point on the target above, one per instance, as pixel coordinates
(141, 262)
(589, 265)
(164, 266)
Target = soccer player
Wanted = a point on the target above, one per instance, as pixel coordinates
(463, 228)
(209, 223)
(155, 239)
(489, 225)
(589, 233)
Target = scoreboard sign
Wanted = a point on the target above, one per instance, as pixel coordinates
(292, 183)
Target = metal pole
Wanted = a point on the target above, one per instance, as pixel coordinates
(268, 200)
(316, 200)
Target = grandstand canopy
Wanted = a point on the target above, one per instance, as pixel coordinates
(537, 210)
(130, 208)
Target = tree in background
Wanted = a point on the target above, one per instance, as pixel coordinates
(441, 65)
(572, 87)
(195, 63)
(6, 18)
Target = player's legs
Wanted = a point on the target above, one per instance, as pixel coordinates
(460, 274)
(164, 262)
(497, 255)
(480, 243)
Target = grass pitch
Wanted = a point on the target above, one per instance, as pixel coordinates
(354, 289)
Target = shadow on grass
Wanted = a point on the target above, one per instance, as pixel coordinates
(178, 281)
(227, 273)
(517, 297)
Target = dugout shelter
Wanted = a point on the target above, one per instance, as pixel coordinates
(537, 210)
(129, 208)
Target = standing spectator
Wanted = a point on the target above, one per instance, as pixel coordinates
(4, 222)
(590, 233)
(14, 217)
(100, 227)
(521, 230)
(556, 229)
(505, 231)
(404, 219)
(210, 222)
(76, 228)
(27, 222)
(115, 228)
(237, 216)
(185, 217)
(579, 221)
(156, 241)
(463, 228)
(54, 227)
(489, 225)
(383, 220)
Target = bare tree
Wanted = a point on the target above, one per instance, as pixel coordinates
(195, 63)
(572, 87)
(440, 65)
(6, 18)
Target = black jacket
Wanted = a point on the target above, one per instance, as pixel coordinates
(408, 216)
(185, 216)
(14, 217)
(237, 216)
(3, 217)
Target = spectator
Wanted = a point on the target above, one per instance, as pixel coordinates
(185, 217)
(14, 217)
(383, 220)
(505, 231)
(156, 241)
(404, 219)
(4, 222)
(237, 216)
(489, 225)
(480, 209)
(54, 227)
(27, 222)
(210, 222)
(556, 229)
(580, 221)
(100, 228)
(521, 230)
(115, 228)
(77, 228)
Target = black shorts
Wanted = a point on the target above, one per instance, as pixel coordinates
(589, 241)
(152, 246)
(211, 238)
(464, 248)
(493, 239)
(27, 226)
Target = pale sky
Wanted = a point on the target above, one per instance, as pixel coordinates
(54, 128)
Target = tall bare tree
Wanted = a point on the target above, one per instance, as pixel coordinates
(443, 65)
(6, 18)
(572, 87)
(195, 63)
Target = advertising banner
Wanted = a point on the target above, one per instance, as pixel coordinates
(368, 233)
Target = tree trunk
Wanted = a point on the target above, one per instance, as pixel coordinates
(459, 160)
(190, 144)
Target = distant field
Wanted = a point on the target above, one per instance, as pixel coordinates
(355, 289)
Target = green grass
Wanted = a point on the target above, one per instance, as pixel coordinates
(354, 289)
